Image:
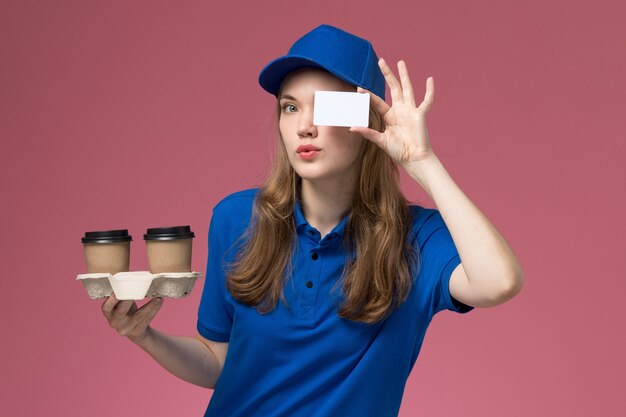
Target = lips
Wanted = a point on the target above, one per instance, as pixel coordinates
(307, 148)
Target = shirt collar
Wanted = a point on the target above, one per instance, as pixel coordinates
(302, 223)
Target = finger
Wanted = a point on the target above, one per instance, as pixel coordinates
(429, 97)
(146, 312)
(149, 305)
(109, 305)
(377, 103)
(394, 85)
(407, 88)
(143, 316)
(122, 308)
(147, 315)
(369, 134)
(132, 308)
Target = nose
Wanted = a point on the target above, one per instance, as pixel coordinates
(306, 128)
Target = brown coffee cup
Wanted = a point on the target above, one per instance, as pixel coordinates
(169, 249)
(107, 251)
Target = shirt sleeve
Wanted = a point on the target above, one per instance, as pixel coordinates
(439, 259)
(215, 313)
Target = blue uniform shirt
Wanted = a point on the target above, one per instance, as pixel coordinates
(304, 360)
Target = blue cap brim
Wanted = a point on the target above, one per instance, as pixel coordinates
(273, 74)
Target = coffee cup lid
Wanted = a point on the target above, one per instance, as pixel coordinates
(169, 233)
(107, 236)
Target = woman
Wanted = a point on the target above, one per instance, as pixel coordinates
(321, 283)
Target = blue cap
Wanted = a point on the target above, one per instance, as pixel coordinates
(343, 54)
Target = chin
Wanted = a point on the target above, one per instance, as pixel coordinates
(311, 173)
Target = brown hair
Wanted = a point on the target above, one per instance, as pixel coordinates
(380, 260)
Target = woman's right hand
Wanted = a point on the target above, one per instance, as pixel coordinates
(127, 319)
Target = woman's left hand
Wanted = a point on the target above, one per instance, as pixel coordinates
(405, 138)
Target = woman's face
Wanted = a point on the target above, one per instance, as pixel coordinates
(339, 149)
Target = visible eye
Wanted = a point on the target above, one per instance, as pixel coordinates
(286, 106)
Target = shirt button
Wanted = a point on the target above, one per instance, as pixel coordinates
(309, 284)
(311, 232)
(314, 256)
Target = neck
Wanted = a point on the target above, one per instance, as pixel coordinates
(325, 202)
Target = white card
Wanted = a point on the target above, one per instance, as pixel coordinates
(341, 108)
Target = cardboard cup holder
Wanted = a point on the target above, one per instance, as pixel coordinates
(136, 285)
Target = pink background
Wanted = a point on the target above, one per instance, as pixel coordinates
(132, 114)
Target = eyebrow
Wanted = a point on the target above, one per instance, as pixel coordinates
(287, 96)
